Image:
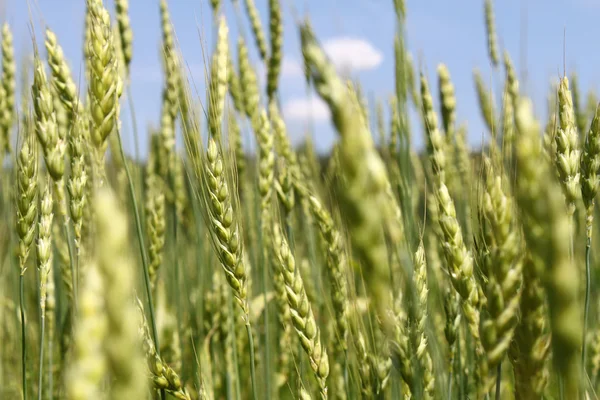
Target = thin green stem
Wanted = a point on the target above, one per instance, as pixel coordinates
(133, 125)
(140, 235)
(289, 230)
(450, 375)
(266, 309)
(229, 385)
(50, 381)
(60, 188)
(76, 255)
(198, 224)
(395, 390)
(41, 372)
(461, 389)
(561, 384)
(177, 276)
(23, 338)
(252, 368)
(498, 380)
(135, 136)
(588, 284)
(142, 246)
(346, 382)
(71, 262)
(233, 344)
(561, 387)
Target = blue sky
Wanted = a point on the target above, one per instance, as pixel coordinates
(357, 34)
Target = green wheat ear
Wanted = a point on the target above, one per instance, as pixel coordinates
(276, 53)
(123, 345)
(163, 376)
(9, 67)
(301, 312)
(364, 172)
(257, 29)
(26, 198)
(88, 364)
(505, 273)
(218, 81)
(486, 104)
(567, 147)
(548, 233)
(590, 165)
(224, 226)
(492, 40)
(125, 31)
(458, 256)
(61, 76)
(105, 84)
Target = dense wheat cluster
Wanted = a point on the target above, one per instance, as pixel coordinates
(377, 271)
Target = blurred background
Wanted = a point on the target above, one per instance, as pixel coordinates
(543, 38)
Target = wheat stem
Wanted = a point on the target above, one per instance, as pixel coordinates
(586, 310)
(252, 360)
(41, 364)
(23, 337)
(142, 246)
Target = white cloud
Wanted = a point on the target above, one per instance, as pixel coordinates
(299, 109)
(348, 53)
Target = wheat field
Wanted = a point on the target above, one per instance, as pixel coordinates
(210, 271)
